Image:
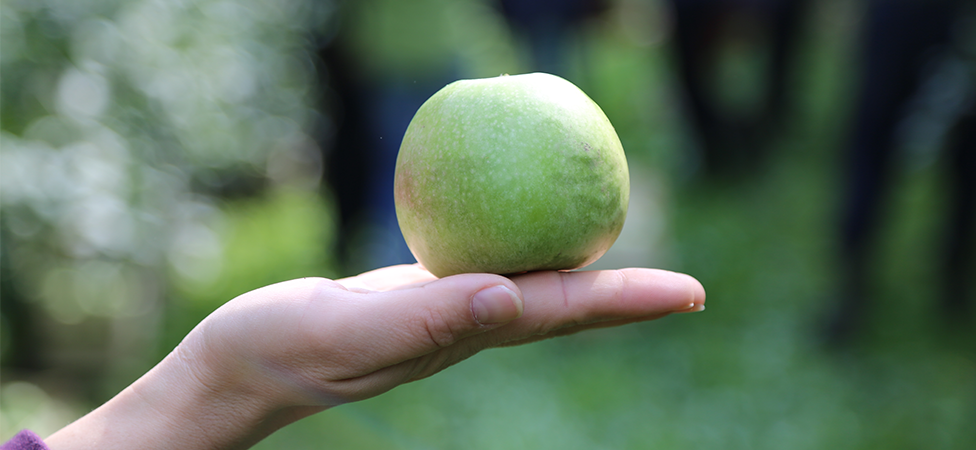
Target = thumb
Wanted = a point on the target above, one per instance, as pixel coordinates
(414, 321)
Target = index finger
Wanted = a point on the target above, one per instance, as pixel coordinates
(387, 278)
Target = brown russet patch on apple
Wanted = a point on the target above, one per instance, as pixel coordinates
(595, 159)
(404, 191)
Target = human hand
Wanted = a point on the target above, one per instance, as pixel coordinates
(285, 351)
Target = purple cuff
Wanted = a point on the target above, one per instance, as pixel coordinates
(25, 440)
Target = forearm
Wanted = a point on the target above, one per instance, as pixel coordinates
(171, 407)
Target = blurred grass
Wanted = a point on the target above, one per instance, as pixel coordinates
(281, 235)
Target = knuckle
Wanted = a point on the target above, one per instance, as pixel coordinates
(622, 280)
(439, 328)
(435, 362)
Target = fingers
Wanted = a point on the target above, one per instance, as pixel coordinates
(566, 331)
(367, 334)
(387, 278)
(413, 331)
(559, 303)
(430, 316)
(396, 326)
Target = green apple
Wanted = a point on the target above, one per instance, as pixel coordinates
(510, 174)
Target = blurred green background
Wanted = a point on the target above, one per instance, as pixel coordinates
(161, 157)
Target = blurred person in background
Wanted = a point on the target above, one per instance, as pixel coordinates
(547, 28)
(732, 59)
(383, 60)
(915, 55)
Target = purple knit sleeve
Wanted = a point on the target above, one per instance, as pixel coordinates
(25, 440)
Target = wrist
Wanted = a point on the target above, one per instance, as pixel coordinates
(184, 402)
(224, 401)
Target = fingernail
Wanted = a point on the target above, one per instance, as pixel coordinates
(693, 307)
(496, 304)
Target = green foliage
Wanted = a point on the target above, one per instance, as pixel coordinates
(124, 126)
(283, 235)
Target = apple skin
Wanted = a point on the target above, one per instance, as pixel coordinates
(510, 174)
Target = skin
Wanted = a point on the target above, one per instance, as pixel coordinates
(286, 351)
(510, 174)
